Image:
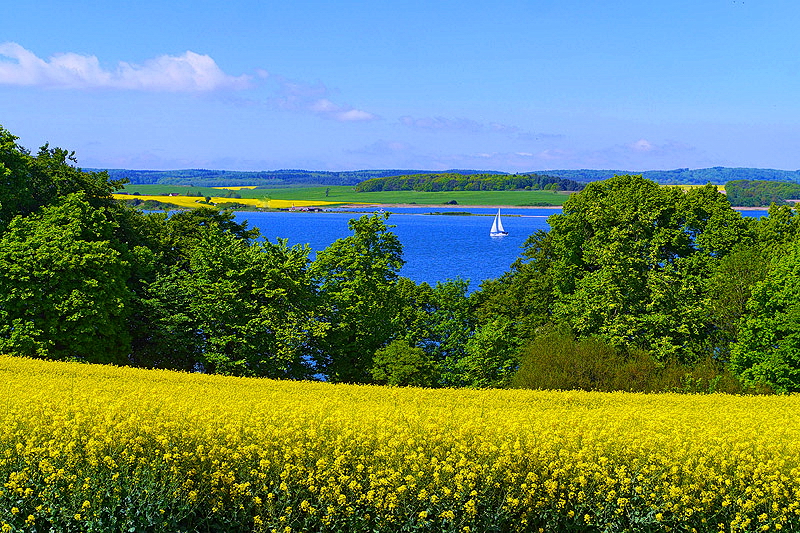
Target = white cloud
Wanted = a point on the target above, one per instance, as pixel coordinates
(297, 96)
(441, 123)
(553, 154)
(642, 145)
(353, 115)
(190, 72)
(382, 148)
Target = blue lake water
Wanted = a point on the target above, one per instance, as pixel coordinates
(435, 247)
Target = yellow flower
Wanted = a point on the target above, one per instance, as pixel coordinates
(347, 449)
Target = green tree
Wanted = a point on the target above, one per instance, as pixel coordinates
(729, 288)
(164, 328)
(778, 229)
(525, 293)
(400, 364)
(627, 260)
(768, 349)
(29, 182)
(491, 356)
(189, 224)
(358, 282)
(438, 320)
(237, 307)
(63, 290)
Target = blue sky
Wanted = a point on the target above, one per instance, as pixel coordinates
(513, 85)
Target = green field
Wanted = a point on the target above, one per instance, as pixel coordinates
(345, 194)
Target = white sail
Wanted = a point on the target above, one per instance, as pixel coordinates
(500, 223)
(497, 227)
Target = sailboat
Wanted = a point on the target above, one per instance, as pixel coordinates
(497, 227)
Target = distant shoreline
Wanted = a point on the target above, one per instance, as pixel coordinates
(450, 206)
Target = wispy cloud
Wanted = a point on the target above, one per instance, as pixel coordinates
(642, 154)
(382, 148)
(446, 124)
(316, 99)
(442, 124)
(189, 72)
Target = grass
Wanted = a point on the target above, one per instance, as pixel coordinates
(346, 195)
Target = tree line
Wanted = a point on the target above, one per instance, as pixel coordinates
(472, 182)
(267, 179)
(761, 193)
(635, 287)
(686, 176)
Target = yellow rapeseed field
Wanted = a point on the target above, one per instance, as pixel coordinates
(96, 448)
(194, 201)
(191, 201)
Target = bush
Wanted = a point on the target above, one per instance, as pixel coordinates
(556, 360)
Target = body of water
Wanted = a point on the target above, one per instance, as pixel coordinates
(435, 247)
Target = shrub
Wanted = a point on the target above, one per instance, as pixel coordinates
(556, 360)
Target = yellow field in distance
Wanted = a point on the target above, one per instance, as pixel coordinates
(686, 187)
(194, 201)
(191, 201)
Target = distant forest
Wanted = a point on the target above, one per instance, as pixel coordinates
(760, 193)
(474, 182)
(297, 178)
(685, 176)
(267, 179)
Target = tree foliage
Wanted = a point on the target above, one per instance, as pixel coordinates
(29, 182)
(626, 261)
(768, 348)
(474, 182)
(357, 279)
(761, 193)
(63, 284)
(401, 364)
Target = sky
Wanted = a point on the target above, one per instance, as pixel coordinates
(514, 86)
